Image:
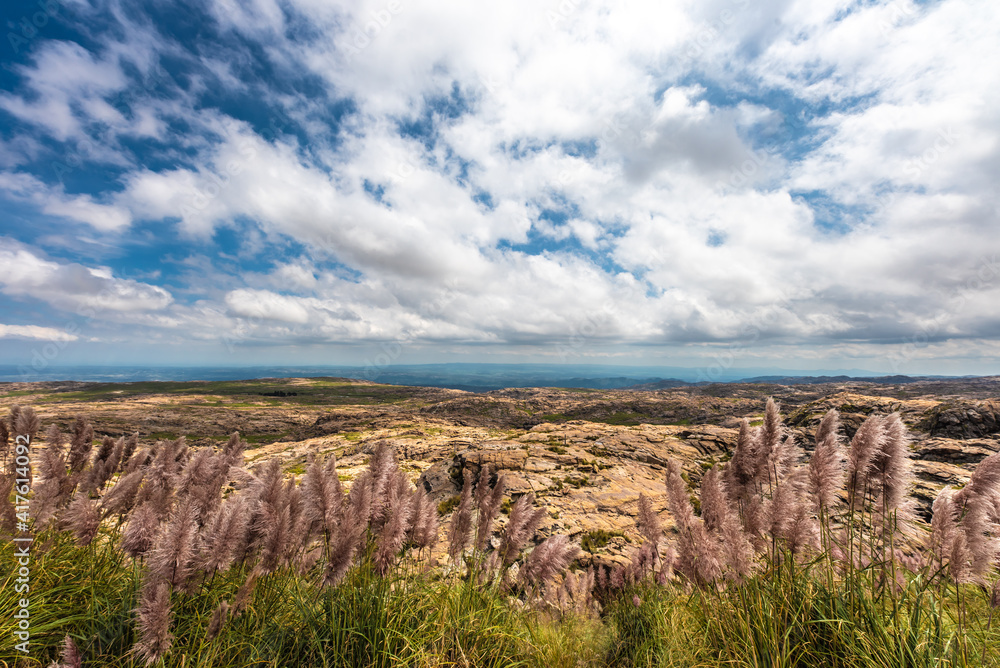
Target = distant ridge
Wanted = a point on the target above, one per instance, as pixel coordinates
(818, 380)
(469, 377)
(790, 380)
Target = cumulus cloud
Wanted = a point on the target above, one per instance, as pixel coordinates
(35, 332)
(782, 173)
(74, 287)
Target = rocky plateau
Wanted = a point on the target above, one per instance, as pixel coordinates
(586, 455)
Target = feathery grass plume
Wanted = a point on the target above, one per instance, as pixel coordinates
(197, 469)
(894, 511)
(154, 615)
(218, 620)
(170, 558)
(643, 562)
(382, 465)
(666, 572)
(80, 443)
(774, 457)
(461, 520)
(26, 422)
(105, 449)
(743, 478)
(975, 508)
(649, 522)
(82, 518)
(985, 480)
(15, 410)
(323, 496)
(980, 537)
(299, 536)
(157, 490)
(4, 438)
(348, 539)
(826, 467)
(944, 526)
(522, 524)
(54, 438)
(482, 487)
(489, 509)
(424, 531)
(573, 595)
(54, 488)
(274, 531)
(548, 560)
(70, 657)
(142, 527)
(736, 553)
(617, 578)
(784, 457)
(742, 467)
(782, 509)
(168, 459)
(128, 449)
(360, 498)
(392, 536)
(222, 534)
(958, 559)
(714, 503)
(278, 504)
(115, 459)
(232, 452)
(121, 497)
(174, 455)
(244, 593)
(202, 480)
(697, 559)
(138, 460)
(601, 581)
(867, 442)
(8, 515)
(798, 527)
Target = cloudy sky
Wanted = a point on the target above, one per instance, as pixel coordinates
(807, 184)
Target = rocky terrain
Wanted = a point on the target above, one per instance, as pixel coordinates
(585, 454)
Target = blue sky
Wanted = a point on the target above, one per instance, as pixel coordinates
(805, 185)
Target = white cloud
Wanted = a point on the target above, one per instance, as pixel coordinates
(74, 287)
(675, 140)
(53, 201)
(35, 332)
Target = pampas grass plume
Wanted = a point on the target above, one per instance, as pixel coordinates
(461, 521)
(548, 559)
(524, 520)
(154, 615)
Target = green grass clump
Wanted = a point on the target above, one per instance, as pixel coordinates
(598, 538)
(449, 504)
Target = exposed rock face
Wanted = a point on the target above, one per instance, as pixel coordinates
(855, 408)
(964, 420)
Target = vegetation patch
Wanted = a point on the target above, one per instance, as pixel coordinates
(598, 538)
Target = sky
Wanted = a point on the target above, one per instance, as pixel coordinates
(803, 184)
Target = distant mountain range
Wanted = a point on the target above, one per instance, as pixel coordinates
(463, 376)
